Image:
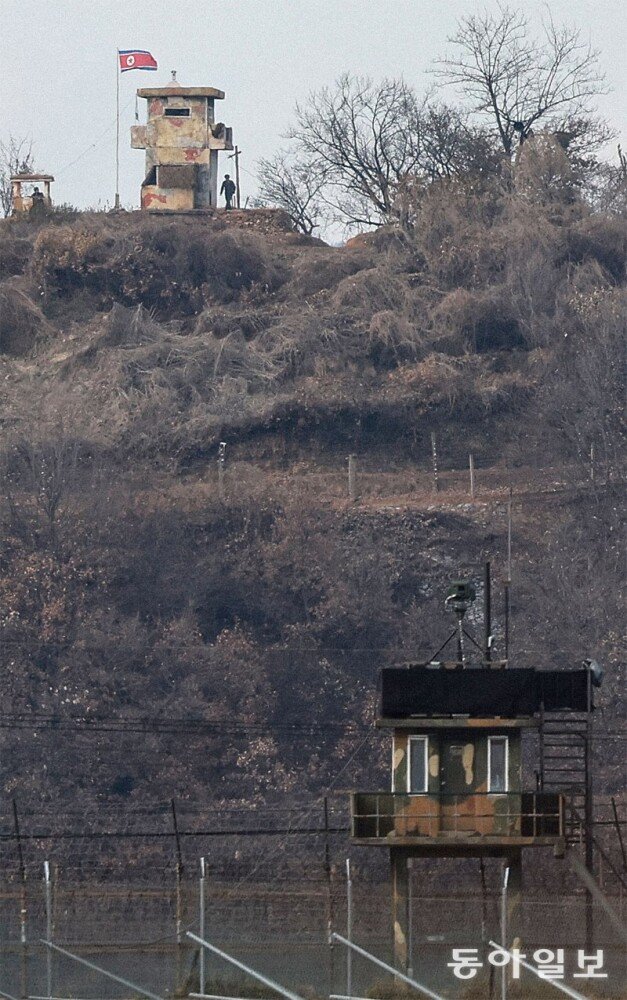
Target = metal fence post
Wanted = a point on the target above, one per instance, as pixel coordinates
(179, 898)
(330, 913)
(48, 889)
(201, 924)
(504, 931)
(471, 463)
(23, 907)
(410, 918)
(509, 533)
(349, 928)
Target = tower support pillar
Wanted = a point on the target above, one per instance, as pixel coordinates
(514, 917)
(400, 907)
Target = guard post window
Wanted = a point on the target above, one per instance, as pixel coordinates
(497, 763)
(418, 770)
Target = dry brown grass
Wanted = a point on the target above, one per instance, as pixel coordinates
(603, 240)
(171, 267)
(371, 291)
(324, 269)
(15, 253)
(22, 323)
(477, 321)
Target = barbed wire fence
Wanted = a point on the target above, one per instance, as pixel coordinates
(124, 883)
(364, 479)
(275, 882)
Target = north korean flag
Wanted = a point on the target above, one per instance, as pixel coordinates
(135, 59)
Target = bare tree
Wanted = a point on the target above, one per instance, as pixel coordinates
(43, 473)
(453, 147)
(367, 144)
(517, 81)
(367, 137)
(606, 189)
(296, 187)
(16, 157)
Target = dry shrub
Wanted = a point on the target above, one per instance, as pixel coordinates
(69, 258)
(371, 291)
(313, 274)
(383, 239)
(535, 257)
(235, 357)
(455, 231)
(543, 173)
(22, 323)
(233, 261)
(126, 327)
(220, 322)
(436, 380)
(14, 255)
(314, 343)
(393, 338)
(603, 239)
(477, 320)
(172, 268)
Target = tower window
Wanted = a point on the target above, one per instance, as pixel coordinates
(418, 770)
(177, 112)
(497, 763)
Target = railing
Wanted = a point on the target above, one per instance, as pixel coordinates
(398, 815)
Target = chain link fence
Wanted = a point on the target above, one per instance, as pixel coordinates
(280, 926)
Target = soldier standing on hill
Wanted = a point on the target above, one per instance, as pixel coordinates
(38, 203)
(228, 190)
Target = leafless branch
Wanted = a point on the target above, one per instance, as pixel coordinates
(294, 186)
(517, 81)
(16, 156)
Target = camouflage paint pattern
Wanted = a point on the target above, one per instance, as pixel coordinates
(173, 140)
(454, 803)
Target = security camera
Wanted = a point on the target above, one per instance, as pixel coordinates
(460, 596)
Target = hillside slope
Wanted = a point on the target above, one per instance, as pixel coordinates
(132, 588)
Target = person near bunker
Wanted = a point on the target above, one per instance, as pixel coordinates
(228, 190)
(38, 203)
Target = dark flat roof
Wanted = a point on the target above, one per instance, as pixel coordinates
(426, 692)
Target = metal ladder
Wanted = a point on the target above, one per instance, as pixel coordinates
(565, 767)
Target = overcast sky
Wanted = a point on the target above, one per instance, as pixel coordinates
(58, 68)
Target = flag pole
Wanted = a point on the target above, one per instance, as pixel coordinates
(117, 128)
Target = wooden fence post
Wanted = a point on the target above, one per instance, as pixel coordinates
(221, 460)
(434, 457)
(352, 477)
(471, 462)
